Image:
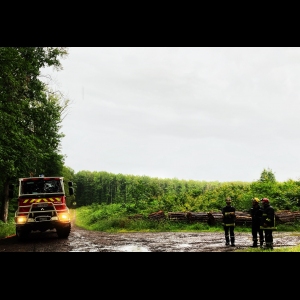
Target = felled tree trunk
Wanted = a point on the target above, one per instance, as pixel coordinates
(286, 216)
(243, 219)
(159, 215)
(214, 218)
(177, 216)
(197, 217)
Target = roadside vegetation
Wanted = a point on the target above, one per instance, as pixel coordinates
(281, 249)
(7, 229)
(113, 218)
(122, 203)
(141, 194)
(31, 114)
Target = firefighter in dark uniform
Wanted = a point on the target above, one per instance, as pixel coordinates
(268, 222)
(256, 214)
(228, 213)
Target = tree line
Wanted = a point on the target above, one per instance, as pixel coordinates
(30, 117)
(153, 194)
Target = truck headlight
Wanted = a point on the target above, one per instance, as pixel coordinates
(64, 217)
(20, 220)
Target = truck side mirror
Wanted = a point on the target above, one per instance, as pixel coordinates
(70, 183)
(71, 191)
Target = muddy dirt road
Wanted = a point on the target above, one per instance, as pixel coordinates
(81, 240)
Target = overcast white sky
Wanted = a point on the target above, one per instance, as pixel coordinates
(207, 113)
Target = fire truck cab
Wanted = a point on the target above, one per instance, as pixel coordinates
(42, 206)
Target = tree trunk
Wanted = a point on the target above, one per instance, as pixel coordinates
(5, 202)
(159, 215)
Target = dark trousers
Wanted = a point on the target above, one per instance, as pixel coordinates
(256, 231)
(229, 230)
(268, 236)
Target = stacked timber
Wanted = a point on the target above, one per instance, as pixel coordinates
(297, 215)
(159, 215)
(201, 217)
(286, 216)
(214, 218)
(177, 216)
(243, 218)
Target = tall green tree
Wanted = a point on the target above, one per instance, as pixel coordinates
(30, 116)
(267, 175)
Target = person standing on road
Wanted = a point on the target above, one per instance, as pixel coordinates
(256, 214)
(228, 213)
(268, 222)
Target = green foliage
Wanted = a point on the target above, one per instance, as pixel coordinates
(112, 218)
(7, 229)
(68, 175)
(145, 194)
(267, 175)
(30, 117)
(29, 113)
(116, 197)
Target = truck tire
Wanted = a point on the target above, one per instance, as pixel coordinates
(63, 232)
(22, 234)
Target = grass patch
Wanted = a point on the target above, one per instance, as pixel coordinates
(281, 249)
(7, 229)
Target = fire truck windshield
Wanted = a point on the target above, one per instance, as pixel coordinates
(40, 187)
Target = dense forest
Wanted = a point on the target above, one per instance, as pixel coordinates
(143, 193)
(30, 117)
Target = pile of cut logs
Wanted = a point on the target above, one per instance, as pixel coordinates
(213, 218)
(197, 217)
(159, 215)
(177, 216)
(243, 218)
(286, 216)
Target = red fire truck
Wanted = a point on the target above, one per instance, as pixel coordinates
(42, 206)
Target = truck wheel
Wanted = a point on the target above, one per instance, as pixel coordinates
(22, 234)
(63, 232)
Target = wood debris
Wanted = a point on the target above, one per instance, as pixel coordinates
(177, 216)
(243, 218)
(214, 218)
(197, 217)
(159, 215)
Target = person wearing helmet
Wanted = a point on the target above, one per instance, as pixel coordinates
(256, 213)
(268, 222)
(228, 213)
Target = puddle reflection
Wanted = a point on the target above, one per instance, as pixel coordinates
(133, 248)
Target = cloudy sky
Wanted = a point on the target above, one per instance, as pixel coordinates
(199, 113)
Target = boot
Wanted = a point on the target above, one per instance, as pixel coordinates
(232, 241)
(227, 240)
(269, 246)
(254, 244)
(261, 243)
